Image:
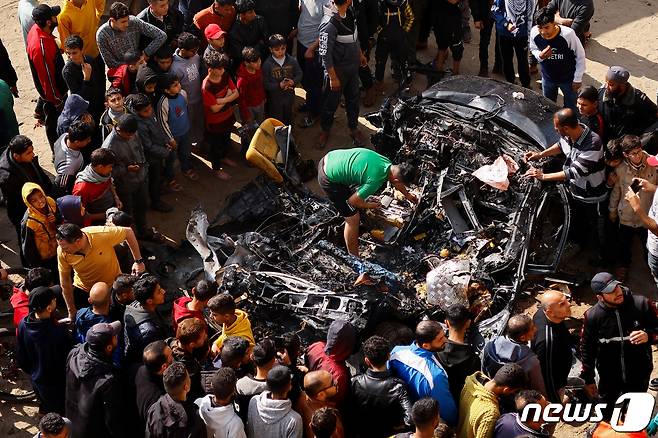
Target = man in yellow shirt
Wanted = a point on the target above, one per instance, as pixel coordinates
(81, 17)
(89, 254)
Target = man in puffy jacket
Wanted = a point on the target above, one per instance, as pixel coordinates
(331, 356)
(380, 402)
(143, 323)
(514, 348)
(94, 399)
(616, 338)
(418, 366)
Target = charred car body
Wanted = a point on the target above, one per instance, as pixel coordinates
(276, 247)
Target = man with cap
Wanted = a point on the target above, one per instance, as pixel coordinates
(616, 338)
(46, 63)
(41, 348)
(94, 396)
(625, 109)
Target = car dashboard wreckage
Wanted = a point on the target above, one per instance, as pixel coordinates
(474, 237)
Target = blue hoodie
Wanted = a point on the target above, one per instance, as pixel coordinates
(74, 107)
(86, 319)
(70, 207)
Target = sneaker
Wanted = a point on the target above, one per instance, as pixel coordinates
(653, 384)
(162, 207)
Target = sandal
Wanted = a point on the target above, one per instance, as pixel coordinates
(174, 186)
(191, 174)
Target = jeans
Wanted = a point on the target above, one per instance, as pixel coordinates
(312, 80)
(549, 89)
(588, 224)
(50, 115)
(218, 143)
(485, 40)
(184, 149)
(349, 87)
(393, 43)
(626, 235)
(510, 46)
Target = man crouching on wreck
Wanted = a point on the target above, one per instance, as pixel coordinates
(342, 171)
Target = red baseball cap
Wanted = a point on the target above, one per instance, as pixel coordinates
(213, 32)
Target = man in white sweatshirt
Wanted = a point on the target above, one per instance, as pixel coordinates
(270, 412)
(217, 410)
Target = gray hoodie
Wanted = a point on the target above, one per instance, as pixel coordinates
(221, 421)
(273, 418)
(127, 152)
(504, 350)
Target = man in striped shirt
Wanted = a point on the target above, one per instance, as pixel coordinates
(583, 170)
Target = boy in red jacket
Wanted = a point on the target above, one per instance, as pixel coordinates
(250, 86)
(186, 307)
(218, 93)
(124, 76)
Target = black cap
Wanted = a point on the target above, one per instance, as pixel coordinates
(44, 12)
(40, 297)
(101, 334)
(617, 73)
(604, 283)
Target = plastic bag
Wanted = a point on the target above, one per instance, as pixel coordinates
(496, 174)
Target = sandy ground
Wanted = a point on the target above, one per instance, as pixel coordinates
(625, 32)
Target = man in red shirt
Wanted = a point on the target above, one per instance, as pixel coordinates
(221, 12)
(46, 63)
(95, 187)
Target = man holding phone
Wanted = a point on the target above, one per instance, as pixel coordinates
(634, 173)
(130, 171)
(583, 171)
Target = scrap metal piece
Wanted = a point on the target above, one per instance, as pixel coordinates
(197, 234)
(447, 284)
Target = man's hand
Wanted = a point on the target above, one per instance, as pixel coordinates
(575, 86)
(591, 390)
(134, 168)
(309, 53)
(363, 61)
(646, 186)
(138, 268)
(283, 85)
(638, 337)
(293, 34)
(546, 53)
(86, 71)
(633, 200)
(172, 144)
(511, 27)
(334, 83)
(14, 91)
(479, 25)
(412, 198)
(3, 274)
(373, 204)
(612, 179)
(118, 203)
(72, 312)
(532, 156)
(536, 173)
(613, 216)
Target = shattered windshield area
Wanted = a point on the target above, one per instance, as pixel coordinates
(478, 224)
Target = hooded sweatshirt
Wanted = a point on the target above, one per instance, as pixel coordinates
(38, 229)
(94, 401)
(152, 135)
(95, 190)
(74, 107)
(331, 356)
(70, 207)
(478, 408)
(220, 421)
(146, 75)
(273, 418)
(169, 418)
(127, 152)
(241, 327)
(459, 361)
(41, 350)
(68, 162)
(504, 350)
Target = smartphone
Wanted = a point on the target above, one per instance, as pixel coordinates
(635, 185)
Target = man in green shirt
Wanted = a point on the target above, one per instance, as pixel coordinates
(350, 176)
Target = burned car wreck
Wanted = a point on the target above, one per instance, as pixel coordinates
(278, 248)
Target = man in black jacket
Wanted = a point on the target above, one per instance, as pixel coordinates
(552, 343)
(575, 14)
(19, 165)
(458, 357)
(94, 397)
(143, 323)
(249, 30)
(484, 22)
(616, 338)
(380, 402)
(148, 380)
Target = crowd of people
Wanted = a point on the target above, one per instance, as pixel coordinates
(181, 75)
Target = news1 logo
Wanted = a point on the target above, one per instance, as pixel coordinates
(632, 412)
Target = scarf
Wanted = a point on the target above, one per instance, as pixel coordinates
(517, 12)
(88, 174)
